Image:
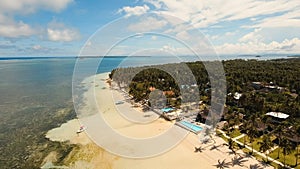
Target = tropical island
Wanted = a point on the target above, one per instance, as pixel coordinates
(260, 120)
(261, 110)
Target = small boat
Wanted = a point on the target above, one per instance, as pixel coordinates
(119, 102)
(81, 129)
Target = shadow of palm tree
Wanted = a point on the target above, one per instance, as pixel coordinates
(238, 161)
(247, 155)
(199, 149)
(233, 152)
(264, 163)
(222, 164)
(214, 147)
(205, 141)
(255, 166)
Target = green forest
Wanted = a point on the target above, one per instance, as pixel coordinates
(283, 73)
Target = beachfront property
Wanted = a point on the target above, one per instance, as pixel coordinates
(267, 87)
(277, 117)
(190, 126)
(246, 118)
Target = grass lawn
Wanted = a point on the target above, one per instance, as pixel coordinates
(259, 158)
(235, 133)
(255, 142)
(290, 159)
(222, 136)
(247, 141)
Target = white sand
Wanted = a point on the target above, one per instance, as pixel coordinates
(180, 157)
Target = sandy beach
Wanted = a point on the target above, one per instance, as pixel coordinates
(133, 123)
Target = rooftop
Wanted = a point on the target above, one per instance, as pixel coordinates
(237, 95)
(278, 115)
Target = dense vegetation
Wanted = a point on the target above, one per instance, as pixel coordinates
(239, 75)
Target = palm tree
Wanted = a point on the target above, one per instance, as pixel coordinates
(265, 144)
(297, 133)
(252, 132)
(287, 148)
(278, 133)
(281, 128)
(244, 129)
(251, 128)
(231, 145)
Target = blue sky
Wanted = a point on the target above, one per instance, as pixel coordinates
(64, 27)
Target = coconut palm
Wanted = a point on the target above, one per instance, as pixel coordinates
(287, 148)
(244, 129)
(252, 132)
(279, 130)
(231, 145)
(265, 144)
(278, 133)
(297, 133)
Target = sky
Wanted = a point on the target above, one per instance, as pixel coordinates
(148, 27)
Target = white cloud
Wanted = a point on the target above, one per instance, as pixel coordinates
(285, 46)
(14, 30)
(89, 43)
(31, 6)
(273, 24)
(37, 47)
(289, 19)
(57, 31)
(64, 35)
(169, 48)
(252, 37)
(183, 35)
(10, 28)
(207, 13)
(137, 10)
(153, 37)
(148, 24)
(156, 4)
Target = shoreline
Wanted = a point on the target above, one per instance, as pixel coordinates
(180, 156)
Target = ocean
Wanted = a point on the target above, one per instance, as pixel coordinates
(39, 87)
(47, 81)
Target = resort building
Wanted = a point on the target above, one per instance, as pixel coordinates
(257, 85)
(237, 95)
(277, 117)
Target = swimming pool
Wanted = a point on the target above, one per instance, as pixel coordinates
(191, 126)
(168, 109)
